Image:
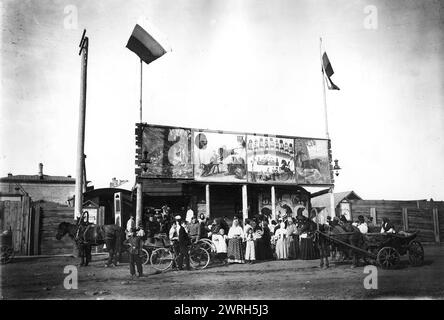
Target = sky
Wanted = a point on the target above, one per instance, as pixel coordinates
(239, 65)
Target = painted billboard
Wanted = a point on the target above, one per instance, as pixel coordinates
(270, 159)
(312, 161)
(166, 153)
(219, 157)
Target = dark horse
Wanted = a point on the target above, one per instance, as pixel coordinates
(88, 235)
(346, 233)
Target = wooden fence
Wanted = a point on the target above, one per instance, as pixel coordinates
(427, 217)
(15, 215)
(47, 217)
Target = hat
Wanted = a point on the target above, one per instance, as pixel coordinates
(178, 217)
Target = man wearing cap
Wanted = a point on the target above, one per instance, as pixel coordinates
(135, 246)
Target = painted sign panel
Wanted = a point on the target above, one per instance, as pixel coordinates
(219, 157)
(166, 153)
(312, 161)
(270, 159)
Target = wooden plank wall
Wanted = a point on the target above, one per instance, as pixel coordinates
(387, 209)
(418, 215)
(51, 215)
(15, 215)
(422, 221)
(441, 223)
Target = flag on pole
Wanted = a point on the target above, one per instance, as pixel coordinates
(146, 45)
(327, 69)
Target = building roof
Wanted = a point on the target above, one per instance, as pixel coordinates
(38, 179)
(323, 201)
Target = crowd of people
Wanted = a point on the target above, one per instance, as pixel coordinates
(257, 239)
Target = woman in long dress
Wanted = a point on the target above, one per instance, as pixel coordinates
(292, 240)
(281, 242)
(308, 251)
(235, 251)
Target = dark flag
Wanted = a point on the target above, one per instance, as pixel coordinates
(328, 72)
(144, 45)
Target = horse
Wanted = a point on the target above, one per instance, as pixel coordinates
(351, 235)
(307, 164)
(88, 235)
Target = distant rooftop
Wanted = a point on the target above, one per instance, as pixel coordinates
(38, 178)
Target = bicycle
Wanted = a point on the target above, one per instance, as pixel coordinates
(162, 258)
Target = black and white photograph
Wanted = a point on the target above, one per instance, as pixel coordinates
(222, 155)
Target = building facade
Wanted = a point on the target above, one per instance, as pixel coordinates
(220, 173)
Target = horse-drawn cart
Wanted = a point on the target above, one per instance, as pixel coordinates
(383, 249)
(7, 249)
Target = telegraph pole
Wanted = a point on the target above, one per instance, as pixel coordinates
(81, 129)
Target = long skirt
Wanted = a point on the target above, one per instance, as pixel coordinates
(235, 251)
(293, 247)
(308, 250)
(263, 249)
(281, 249)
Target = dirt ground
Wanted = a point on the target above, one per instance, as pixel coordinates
(42, 278)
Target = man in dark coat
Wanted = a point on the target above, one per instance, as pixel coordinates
(184, 242)
(135, 247)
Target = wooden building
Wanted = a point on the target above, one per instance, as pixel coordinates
(222, 173)
(32, 206)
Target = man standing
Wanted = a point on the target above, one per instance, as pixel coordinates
(184, 242)
(135, 246)
(189, 215)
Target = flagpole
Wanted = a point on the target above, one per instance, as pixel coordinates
(323, 90)
(331, 191)
(140, 107)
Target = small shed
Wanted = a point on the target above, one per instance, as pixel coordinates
(342, 203)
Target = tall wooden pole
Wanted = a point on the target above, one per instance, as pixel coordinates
(141, 79)
(139, 197)
(331, 191)
(81, 128)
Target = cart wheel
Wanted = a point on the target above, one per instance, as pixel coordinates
(199, 258)
(416, 253)
(161, 259)
(7, 253)
(388, 257)
(145, 256)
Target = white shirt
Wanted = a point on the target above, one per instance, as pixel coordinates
(190, 214)
(363, 227)
(220, 242)
(173, 234)
(130, 224)
(235, 231)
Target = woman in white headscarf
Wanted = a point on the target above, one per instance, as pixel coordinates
(281, 242)
(235, 251)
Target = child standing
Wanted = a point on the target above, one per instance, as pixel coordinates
(220, 241)
(249, 249)
(135, 246)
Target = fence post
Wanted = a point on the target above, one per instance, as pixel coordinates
(405, 219)
(373, 215)
(436, 224)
